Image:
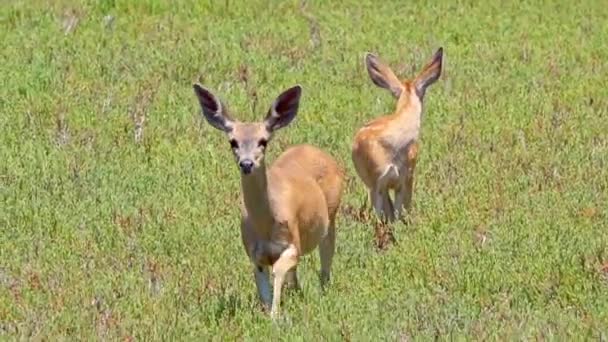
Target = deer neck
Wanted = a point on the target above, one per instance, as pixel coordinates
(409, 110)
(406, 122)
(255, 194)
(409, 107)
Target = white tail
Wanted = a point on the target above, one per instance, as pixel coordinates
(385, 150)
(287, 210)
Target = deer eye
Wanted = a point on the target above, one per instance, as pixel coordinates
(234, 144)
(262, 143)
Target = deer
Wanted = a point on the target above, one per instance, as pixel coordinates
(287, 210)
(385, 150)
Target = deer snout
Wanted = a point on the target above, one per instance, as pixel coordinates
(246, 166)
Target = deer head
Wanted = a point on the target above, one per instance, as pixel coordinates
(248, 140)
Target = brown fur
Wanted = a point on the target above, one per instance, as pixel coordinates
(304, 188)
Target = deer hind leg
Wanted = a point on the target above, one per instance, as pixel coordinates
(383, 206)
(389, 209)
(409, 189)
(327, 248)
(287, 260)
(327, 245)
(291, 279)
(403, 197)
(376, 199)
(382, 201)
(399, 200)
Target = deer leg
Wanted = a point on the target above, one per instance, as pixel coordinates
(263, 285)
(291, 279)
(412, 158)
(399, 200)
(376, 199)
(327, 248)
(403, 196)
(389, 209)
(287, 260)
(409, 187)
(382, 200)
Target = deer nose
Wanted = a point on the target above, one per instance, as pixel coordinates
(246, 165)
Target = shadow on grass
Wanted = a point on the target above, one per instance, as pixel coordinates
(384, 235)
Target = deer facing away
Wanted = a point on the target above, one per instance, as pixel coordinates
(385, 150)
(287, 210)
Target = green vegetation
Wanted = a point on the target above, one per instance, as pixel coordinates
(103, 236)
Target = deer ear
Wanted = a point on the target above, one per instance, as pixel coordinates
(213, 109)
(283, 109)
(382, 75)
(430, 73)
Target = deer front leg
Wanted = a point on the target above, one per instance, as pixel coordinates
(263, 285)
(327, 248)
(263, 253)
(257, 252)
(287, 260)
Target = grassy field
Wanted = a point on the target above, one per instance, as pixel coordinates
(118, 203)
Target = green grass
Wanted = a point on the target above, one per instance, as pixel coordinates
(103, 237)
